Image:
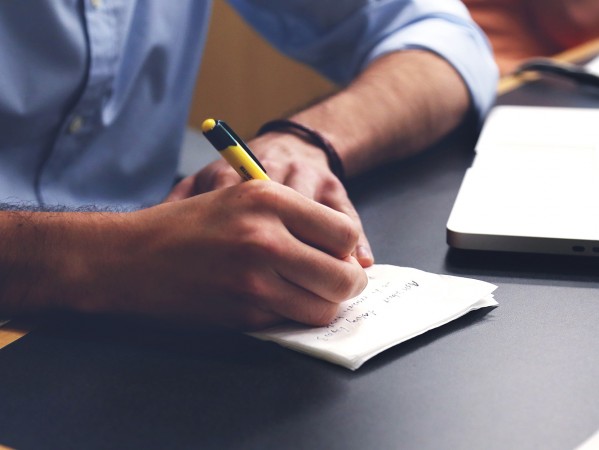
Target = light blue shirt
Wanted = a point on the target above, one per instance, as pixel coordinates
(94, 94)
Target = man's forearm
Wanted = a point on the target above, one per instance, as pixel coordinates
(402, 103)
(45, 256)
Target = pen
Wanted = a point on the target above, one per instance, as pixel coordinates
(234, 150)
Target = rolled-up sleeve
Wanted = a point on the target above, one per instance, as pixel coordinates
(340, 38)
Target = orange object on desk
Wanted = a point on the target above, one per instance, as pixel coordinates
(523, 29)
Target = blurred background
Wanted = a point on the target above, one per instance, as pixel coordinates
(245, 81)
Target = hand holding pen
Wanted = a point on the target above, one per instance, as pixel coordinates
(261, 253)
(290, 160)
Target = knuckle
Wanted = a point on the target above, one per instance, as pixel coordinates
(333, 183)
(295, 167)
(347, 285)
(261, 243)
(220, 175)
(331, 186)
(259, 196)
(258, 190)
(252, 287)
(349, 232)
(272, 163)
(324, 314)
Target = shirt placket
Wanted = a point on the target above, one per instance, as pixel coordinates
(85, 118)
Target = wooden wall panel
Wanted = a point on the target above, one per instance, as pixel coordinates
(245, 81)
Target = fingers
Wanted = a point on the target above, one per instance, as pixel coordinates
(302, 289)
(278, 302)
(330, 279)
(338, 200)
(293, 249)
(315, 224)
(293, 302)
(247, 256)
(217, 175)
(332, 275)
(331, 193)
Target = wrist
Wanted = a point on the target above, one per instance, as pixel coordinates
(280, 147)
(93, 256)
(310, 136)
(57, 263)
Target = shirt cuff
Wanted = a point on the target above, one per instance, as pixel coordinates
(464, 47)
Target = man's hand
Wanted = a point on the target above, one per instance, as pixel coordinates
(412, 99)
(246, 257)
(290, 161)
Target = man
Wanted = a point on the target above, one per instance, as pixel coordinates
(93, 102)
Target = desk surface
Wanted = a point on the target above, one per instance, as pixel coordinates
(524, 375)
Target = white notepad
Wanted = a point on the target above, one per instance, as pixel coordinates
(398, 304)
(533, 184)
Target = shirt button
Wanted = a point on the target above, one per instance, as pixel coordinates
(96, 3)
(75, 124)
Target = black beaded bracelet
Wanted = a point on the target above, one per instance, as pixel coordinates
(309, 135)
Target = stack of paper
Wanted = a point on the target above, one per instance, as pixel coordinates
(397, 304)
(593, 66)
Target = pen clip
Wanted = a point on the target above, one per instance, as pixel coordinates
(240, 142)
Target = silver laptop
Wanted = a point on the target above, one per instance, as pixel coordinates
(533, 185)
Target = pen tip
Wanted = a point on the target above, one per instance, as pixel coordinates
(208, 125)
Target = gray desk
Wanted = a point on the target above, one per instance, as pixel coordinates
(522, 376)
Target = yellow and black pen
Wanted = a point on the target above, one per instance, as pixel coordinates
(234, 150)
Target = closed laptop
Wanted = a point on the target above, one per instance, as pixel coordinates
(533, 185)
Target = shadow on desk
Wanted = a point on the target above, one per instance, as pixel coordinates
(194, 376)
(214, 348)
(522, 265)
(473, 318)
(209, 344)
